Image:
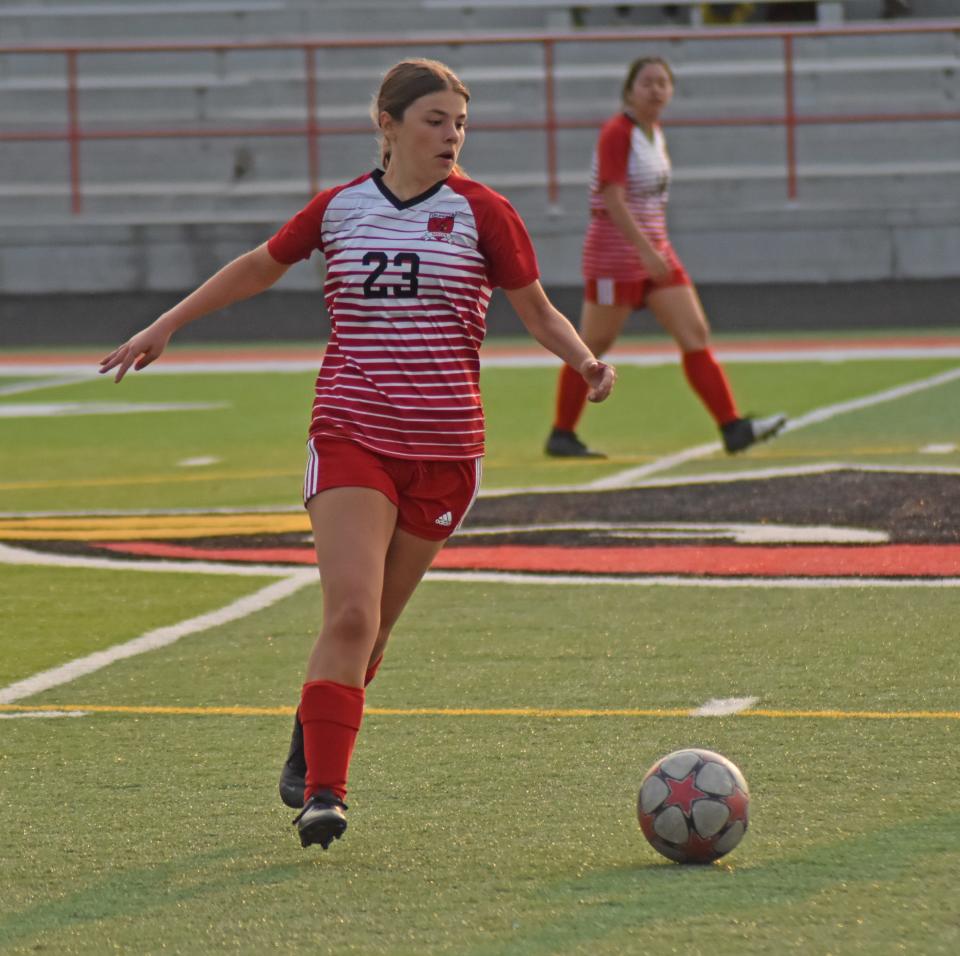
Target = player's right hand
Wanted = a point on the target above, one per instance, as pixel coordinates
(145, 347)
(656, 265)
(600, 377)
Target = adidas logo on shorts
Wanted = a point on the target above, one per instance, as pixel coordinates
(445, 520)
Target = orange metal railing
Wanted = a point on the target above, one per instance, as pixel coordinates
(311, 131)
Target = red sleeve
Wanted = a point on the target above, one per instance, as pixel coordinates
(298, 238)
(613, 152)
(503, 239)
(304, 233)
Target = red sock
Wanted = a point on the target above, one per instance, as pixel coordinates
(369, 676)
(571, 397)
(372, 671)
(331, 714)
(706, 378)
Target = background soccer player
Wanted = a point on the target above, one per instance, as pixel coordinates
(628, 262)
(413, 251)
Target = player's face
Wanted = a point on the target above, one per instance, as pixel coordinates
(431, 134)
(651, 91)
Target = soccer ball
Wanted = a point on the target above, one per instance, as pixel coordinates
(693, 806)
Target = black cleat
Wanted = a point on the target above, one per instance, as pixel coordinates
(564, 444)
(740, 434)
(321, 820)
(294, 773)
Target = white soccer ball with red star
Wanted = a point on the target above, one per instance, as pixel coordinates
(693, 806)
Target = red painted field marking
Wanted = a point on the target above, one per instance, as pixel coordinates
(891, 560)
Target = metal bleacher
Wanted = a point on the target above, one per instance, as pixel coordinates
(729, 179)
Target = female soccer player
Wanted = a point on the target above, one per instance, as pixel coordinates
(628, 262)
(413, 251)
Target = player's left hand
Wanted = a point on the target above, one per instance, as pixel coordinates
(600, 377)
(140, 351)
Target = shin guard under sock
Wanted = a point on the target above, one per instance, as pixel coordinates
(331, 714)
(708, 380)
(571, 397)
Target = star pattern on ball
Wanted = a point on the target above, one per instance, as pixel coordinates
(683, 793)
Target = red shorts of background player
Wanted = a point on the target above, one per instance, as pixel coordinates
(432, 497)
(634, 292)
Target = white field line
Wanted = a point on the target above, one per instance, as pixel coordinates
(47, 713)
(155, 639)
(88, 371)
(593, 580)
(11, 555)
(744, 356)
(61, 409)
(724, 706)
(18, 388)
(868, 401)
(740, 532)
(629, 477)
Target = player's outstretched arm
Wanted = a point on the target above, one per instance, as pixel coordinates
(247, 275)
(554, 331)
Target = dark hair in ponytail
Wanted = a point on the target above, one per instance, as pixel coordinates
(407, 82)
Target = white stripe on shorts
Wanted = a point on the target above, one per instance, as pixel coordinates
(310, 475)
(606, 292)
(477, 475)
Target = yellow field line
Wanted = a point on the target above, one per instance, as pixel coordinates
(858, 714)
(155, 527)
(539, 712)
(145, 480)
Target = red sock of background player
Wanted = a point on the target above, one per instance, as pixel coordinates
(331, 714)
(706, 378)
(571, 397)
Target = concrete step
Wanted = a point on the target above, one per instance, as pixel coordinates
(771, 242)
(482, 64)
(707, 186)
(228, 91)
(239, 19)
(98, 22)
(246, 158)
(261, 106)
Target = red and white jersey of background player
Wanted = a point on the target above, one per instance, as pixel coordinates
(624, 155)
(407, 288)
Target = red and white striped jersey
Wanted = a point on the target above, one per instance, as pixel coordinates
(407, 289)
(624, 155)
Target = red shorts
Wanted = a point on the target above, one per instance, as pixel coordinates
(634, 292)
(432, 497)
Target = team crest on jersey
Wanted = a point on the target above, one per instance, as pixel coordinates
(440, 226)
(441, 222)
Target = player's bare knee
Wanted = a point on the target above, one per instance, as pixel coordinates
(353, 624)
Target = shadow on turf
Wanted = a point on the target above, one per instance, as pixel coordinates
(140, 892)
(597, 904)
(608, 901)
